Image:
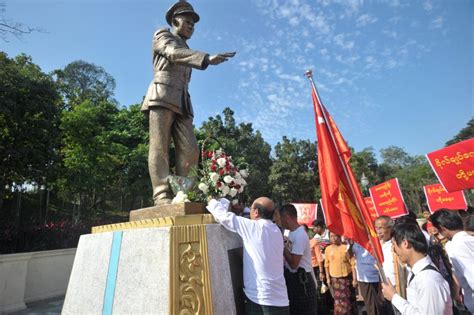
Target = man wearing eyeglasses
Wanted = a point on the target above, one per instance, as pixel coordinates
(264, 282)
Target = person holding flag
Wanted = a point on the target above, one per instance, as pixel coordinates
(343, 203)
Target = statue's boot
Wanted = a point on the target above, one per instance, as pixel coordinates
(161, 196)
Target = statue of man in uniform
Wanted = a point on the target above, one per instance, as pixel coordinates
(167, 101)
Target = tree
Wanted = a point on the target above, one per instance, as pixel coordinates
(465, 133)
(132, 182)
(29, 119)
(395, 157)
(293, 175)
(91, 155)
(80, 81)
(365, 162)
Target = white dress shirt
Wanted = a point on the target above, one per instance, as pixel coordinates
(300, 246)
(427, 293)
(264, 282)
(461, 253)
(365, 265)
(387, 265)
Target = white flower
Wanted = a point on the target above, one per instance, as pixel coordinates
(233, 192)
(228, 179)
(221, 162)
(237, 175)
(241, 189)
(235, 201)
(203, 187)
(214, 177)
(225, 189)
(180, 197)
(218, 152)
(244, 173)
(243, 182)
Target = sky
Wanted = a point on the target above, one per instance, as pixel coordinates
(390, 72)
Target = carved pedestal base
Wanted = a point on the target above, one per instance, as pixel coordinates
(175, 265)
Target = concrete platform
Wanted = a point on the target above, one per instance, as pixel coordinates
(47, 307)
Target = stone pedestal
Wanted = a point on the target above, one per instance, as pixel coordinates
(174, 265)
(168, 210)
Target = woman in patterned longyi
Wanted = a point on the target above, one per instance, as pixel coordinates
(339, 265)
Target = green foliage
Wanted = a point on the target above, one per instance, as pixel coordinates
(29, 116)
(293, 174)
(465, 133)
(91, 154)
(80, 81)
(365, 162)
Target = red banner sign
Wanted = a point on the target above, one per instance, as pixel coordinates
(370, 205)
(307, 212)
(454, 165)
(438, 198)
(388, 199)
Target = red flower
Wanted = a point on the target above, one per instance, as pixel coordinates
(221, 172)
(218, 184)
(213, 167)
(209, 154)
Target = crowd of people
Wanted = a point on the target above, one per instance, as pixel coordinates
(291, 269)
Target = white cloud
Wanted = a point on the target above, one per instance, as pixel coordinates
(339, 39)
(437, 22)
(305, 35)
(427, 5)
(365, 19)
(390, 33)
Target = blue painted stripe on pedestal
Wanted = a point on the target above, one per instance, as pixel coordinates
(112, 274)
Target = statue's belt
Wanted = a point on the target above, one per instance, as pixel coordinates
(168, 77)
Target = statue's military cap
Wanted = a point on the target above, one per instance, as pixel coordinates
(181, 7)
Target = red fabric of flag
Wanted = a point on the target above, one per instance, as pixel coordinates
(344, 207)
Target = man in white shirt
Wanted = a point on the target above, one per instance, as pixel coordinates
(321, 233)
(298, 269)
(460, 249)
(383, 226)
(368, 279)
(264, 282)
(427, 291)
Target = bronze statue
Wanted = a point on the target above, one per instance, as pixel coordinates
(167, 101)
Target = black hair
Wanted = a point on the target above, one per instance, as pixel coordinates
(412, 233)
(306, 228)
(469, 223)
(447, 219)
(263, 212)
(406, 219)
(319, 223)
(289, 209)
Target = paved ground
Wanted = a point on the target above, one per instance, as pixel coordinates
(46, 307)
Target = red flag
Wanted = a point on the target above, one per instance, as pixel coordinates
(344, 207)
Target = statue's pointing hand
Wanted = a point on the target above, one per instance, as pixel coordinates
(219, 58)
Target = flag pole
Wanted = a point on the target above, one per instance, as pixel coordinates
(309, 74)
